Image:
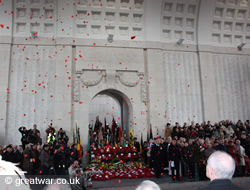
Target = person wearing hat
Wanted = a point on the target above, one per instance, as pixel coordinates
(9, 154)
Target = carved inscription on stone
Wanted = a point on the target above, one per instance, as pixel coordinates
(77, 86)
(144, 94)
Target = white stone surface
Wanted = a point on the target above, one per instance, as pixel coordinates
(233, 89)
(105, 107)
(32, 89)
(182, 87)
(4, 89)
(142, 71)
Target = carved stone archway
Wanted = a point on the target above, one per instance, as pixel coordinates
(125, 105)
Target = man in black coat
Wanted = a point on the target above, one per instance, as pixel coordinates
(9, 155)
(60, 161)
(25, 134)
(73, 154)
(137, 145)
(174, 158)
(33, 137)
(156, 157)
(220, 170)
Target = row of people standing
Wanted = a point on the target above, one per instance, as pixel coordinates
(33, 135)
(37, 160)
(168, 155)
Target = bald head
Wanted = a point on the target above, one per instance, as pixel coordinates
(148, 185)
(220, 165)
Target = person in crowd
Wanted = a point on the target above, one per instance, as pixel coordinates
(60, 161)
(186, 132)
(25, 133)
(148, 185)
(240, 169)
(190, 160)
(45, 160)
(62, 138)
(75, 171)
(201, 133)
(33, 135)
(9, 155)
(233, 151)
(137, 145)
(174, 158)
(221, 145)
(168, 130)
(156, 157)
(208, 151)
(73, 154)
(21, 156)
(220, 170)
(149, 148)
(37, 161)
(193, 133)
(199, 159)
(30, 160)
(183, 151)
(39, 139)
(145, 147)
(245, 143)
(51, 134)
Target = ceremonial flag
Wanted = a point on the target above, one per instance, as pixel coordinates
(113, 126)
(142, 145)
(105, 125)
(79, 146)
(89, 141)
(120, 133)
(151, 133)
(107, 140)
(131, 141)
(76, 135)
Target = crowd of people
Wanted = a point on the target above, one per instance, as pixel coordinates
(185, 149)
(183, 152)
(55, 156)
(188, 148)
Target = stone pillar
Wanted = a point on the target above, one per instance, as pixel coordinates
(156, 90)
(63, 90)
(4, 90)
(208, 87)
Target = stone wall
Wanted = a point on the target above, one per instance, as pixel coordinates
(56, 57)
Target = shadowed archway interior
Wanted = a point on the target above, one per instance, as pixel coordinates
(111, 103)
